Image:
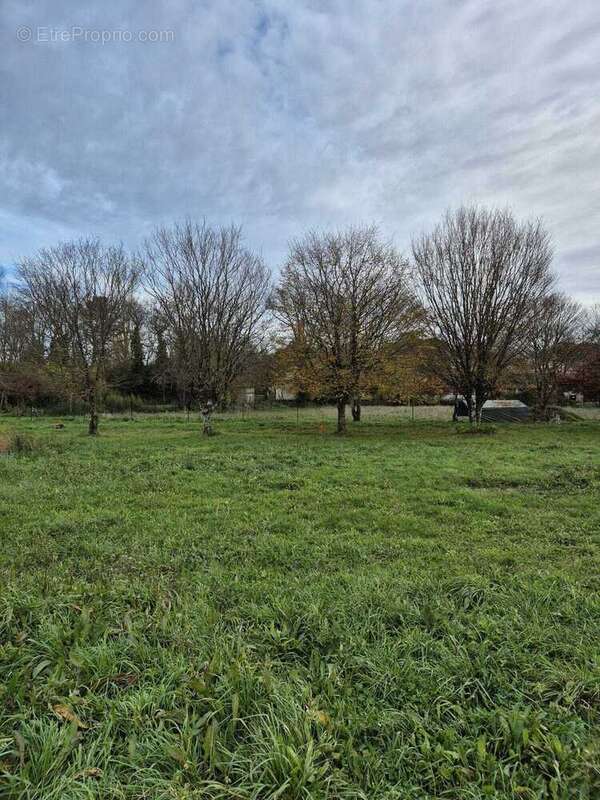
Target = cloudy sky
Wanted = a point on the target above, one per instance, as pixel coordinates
(289, 115)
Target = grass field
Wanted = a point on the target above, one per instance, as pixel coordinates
(278, 612)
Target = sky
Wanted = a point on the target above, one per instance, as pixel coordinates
(284, 116)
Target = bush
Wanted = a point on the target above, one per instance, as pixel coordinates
(552, 412)
(116, 402)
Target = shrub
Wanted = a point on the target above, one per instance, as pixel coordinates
(552, 412)
(116, 402)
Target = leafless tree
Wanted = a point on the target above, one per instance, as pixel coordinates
(587, 371)
(20, 334)
(592, 324)
(211, 293)
(482, 276)
(552, 344)
(21, 350)
(81, 289)
(341, 298)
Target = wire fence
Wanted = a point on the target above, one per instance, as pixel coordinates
(289, 412)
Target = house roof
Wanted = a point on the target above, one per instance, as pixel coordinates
(503, 404)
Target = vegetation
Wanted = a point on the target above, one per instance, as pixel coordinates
(210, 294)
(276, 613)
(484, 276)
(552, 347)
(195, 316)
(347, 304)
(81, 292)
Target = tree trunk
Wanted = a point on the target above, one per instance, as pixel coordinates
(206, 412)
(543, 402)
(341, 415)
(356, 408)
(469, 402)
(93, 426)
(479, 401)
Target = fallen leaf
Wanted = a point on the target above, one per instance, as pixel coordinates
(320, 716)
(124, 679)
(64, 712)
(90, 772)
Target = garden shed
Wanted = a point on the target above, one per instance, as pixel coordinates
(504, 411)
(495, 410)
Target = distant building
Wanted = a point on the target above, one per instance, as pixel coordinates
(504, 411)
(246, 396)
(285, 392)
(574, 397)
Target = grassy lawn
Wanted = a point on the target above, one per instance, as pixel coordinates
(277, 612)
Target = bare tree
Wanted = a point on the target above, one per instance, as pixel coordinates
(161, 370)
(587, 372)
(592, 324)
(552, 344)
(21, 350)
(82, 290)
(20, 332)
(211, 292)
(482, 276)
(342, 298)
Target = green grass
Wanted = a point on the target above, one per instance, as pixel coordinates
(277, 612)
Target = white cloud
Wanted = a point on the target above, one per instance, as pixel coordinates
(285, 116)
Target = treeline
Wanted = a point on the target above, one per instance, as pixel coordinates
(195, 315)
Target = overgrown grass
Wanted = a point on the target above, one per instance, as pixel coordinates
(280, 612)
(16, 443)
